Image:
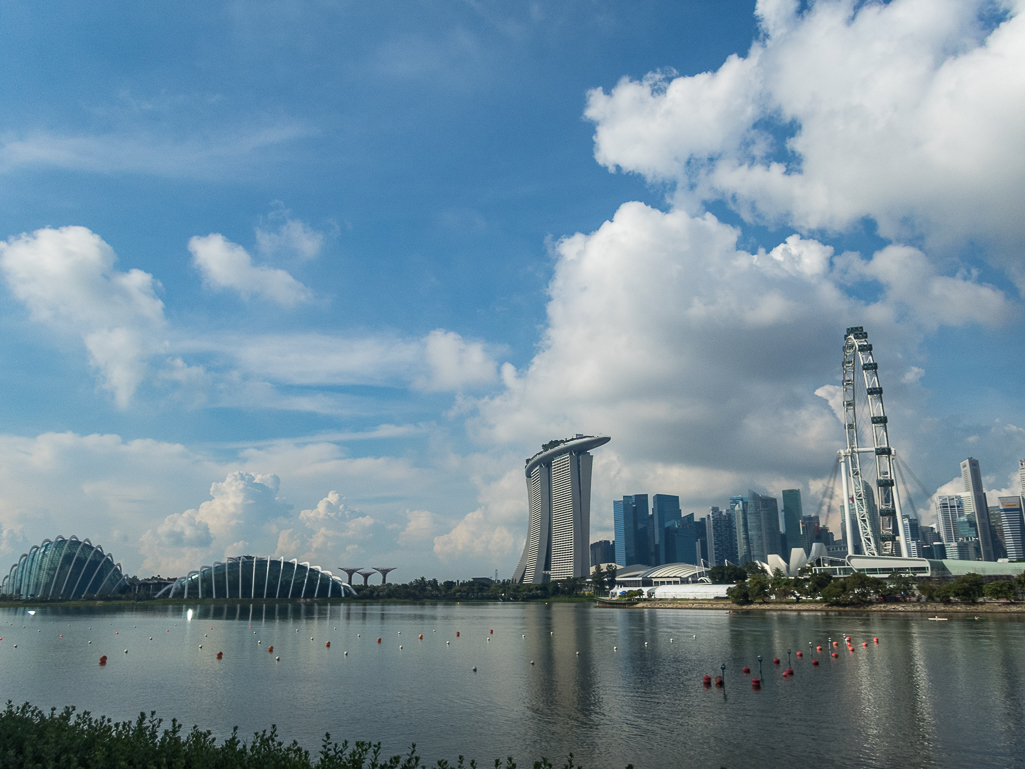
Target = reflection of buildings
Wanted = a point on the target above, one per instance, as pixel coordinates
(66, 569)
(559, 493)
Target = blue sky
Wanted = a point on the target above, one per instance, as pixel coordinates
(312, 279)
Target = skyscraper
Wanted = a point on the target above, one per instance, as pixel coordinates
(1013, 527)
(738, 511)
(976, 506)
(756, 517)
(948, 509)
(632, 527)
(792, 515)
(665, 510)
(618, 523)
(722, 537)
(559, 496)
(602, 551)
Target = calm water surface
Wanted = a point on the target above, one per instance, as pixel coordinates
(612, 686)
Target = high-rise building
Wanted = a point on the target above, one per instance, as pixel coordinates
(632, 527)
(618, 522)
(665, 510)
(948, 509)
(792, 515)
(757, 521)
(738, 511)
(911, 536)
(602, 551)
(1021, 475)
(721, 534)
(1013, 526)
(682, 541)
(559, 496)
(975, 505)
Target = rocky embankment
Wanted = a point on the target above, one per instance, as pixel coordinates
(932, 608)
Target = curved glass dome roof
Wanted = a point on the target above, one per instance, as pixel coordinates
(249, 576)
(64, 569)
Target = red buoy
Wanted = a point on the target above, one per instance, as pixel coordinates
(815, 663)
(457, 634)
(491, 632)
(421, 636)
(835, 644)
(818, 648)
(103, 660)
(835, 655)
(864, 643)
(706, 680)
(756, 683)
(876, 640)
(718, 681)
(379, 640)
(775, 660)
(789, 671)
(747, 669)
(270, 649)
(800, 654)
(328, 645)
(220, 655)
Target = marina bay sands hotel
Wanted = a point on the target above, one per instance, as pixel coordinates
(559, 492)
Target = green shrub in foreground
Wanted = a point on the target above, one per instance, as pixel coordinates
(33, 739)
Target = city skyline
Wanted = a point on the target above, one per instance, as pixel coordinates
(310, 282)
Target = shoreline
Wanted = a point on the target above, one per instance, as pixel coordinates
(815, 606)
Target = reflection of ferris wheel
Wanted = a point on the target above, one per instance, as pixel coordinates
(878, 517)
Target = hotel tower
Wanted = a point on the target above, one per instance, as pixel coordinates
(559, 493)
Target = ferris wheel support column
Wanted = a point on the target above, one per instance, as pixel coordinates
(904, 551)
(845, 507)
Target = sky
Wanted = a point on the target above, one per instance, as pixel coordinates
(312, 279)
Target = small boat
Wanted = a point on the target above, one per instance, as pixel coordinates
(937, 619)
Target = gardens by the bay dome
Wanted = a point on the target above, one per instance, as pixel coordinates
(248, 576)
(64, 569)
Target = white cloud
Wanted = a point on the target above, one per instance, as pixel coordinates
(421, 526)
(454, 364)
(474, 536)
(908, 112)
(292, 238)
(146, 153)
(226, 265)
(68, 280)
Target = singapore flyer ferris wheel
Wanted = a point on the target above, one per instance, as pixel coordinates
(877, 516)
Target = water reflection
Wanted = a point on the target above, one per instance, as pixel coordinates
(612, 686)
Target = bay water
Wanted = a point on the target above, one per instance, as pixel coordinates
(613, 687)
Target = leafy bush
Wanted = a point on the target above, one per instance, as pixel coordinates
(33, 739)
(1000, 589)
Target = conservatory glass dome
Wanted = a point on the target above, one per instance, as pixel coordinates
(64, 569)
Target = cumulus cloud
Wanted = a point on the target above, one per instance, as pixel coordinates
(454, 364)
(292, 237)
(240, 508)
(226, 265)
(474, 536)
(909, 112)
(67, 279)
(712, 368)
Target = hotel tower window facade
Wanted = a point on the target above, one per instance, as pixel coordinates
(559, 496)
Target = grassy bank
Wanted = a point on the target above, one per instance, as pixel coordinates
(30, 737)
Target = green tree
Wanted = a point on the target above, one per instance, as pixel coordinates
(902, 585)
(739, 593)
(610, 576)
(817, 581)
(725, 574)
(1001, 589)
(758, 587)
(967, 588)
(781, 587)
(833, 593)
(598, 580)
